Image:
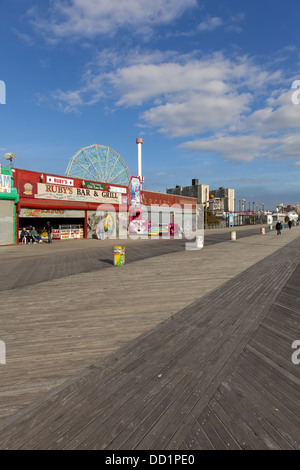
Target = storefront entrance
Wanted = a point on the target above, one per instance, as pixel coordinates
(66, 224)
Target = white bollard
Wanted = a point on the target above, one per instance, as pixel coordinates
(233, 235)
(2, 353)
(263, 230)
(199, 242)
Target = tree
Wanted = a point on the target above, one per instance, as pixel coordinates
(210, 218)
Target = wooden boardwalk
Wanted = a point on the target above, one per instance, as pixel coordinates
(25, 265)
(215, 375)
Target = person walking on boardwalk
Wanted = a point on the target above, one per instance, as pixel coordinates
(290, 223)
(278, 228)
(49, 231)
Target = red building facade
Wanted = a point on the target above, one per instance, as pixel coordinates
(75, 203)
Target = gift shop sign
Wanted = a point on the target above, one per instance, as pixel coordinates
(67, 193)
(58, 180)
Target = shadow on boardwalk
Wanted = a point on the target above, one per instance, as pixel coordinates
(25, 265)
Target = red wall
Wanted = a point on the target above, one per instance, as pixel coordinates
(33, 177)
(33, 203)
(148, 197)
(151, 197)
(20, 176)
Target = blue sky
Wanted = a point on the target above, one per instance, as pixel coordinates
(207, 85)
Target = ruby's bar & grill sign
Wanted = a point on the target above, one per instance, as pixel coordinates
(69, 193)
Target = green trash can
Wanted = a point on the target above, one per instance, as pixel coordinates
(119, 255)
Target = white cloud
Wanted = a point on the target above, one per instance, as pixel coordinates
(90, 18)
(234, 147)
(183, 95)
(24, 37)
(236, 18)
(246, 147)
(72, 99)
(234, 28)
(202, 112)
(271, 131)
(213, 99)
(138, 83)
(270, 120)
(210, 23)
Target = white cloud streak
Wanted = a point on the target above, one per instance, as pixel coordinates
(200, 113)
(91, 18)
(210, 24)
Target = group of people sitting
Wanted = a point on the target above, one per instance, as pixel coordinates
(30, 236)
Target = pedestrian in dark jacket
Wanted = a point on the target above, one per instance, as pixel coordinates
(278, 228)
(49, 231)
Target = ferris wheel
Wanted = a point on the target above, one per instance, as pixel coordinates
(99, 163)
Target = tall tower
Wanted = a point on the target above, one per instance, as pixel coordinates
(139, 142)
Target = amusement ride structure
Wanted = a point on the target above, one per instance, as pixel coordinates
(99, 163)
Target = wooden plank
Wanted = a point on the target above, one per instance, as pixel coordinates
(247, 413)
(211, 432)
(272, 382)
(217, 425)
(197, 439)
(272, 356)
(229, 422)
(177, 417)
(267, 408)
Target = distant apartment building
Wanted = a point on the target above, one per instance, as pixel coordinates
(283, 208)
(226, 198)
(223, 199)
(199, 191)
